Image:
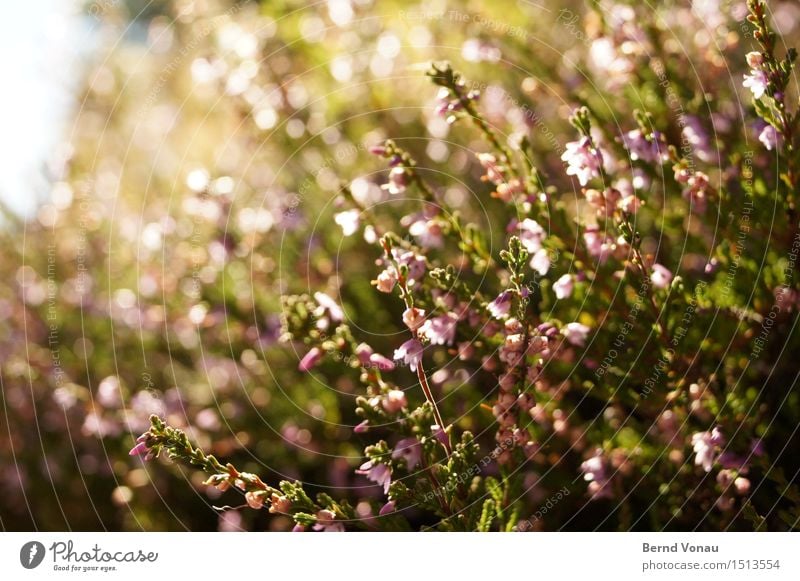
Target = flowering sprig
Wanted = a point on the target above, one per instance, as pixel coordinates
(289, 498)
(462, 102)
(769, 80)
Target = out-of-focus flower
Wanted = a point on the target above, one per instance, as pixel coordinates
(660, 276)
(380, 474)
(531, 234)
(563, 286)
(327, 304)
(541, 261)
(596, 474)
(348, 220)
(576, 333)
(769, 136)
(398, 181)
(584, 161)
(410, 352)
(394, 401)
(650, 149)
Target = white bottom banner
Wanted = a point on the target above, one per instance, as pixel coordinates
(389, 556)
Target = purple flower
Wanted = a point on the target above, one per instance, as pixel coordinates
(310, 359)
(410, 352)
(380, 474)
(414, 263)
(563, 286)
(410, 450)
(640, 147)
(362, 428)
(769, 137)
(388, 508)
(757, 82)
(583, 160)
(440, 330)
(500, 306)
(394, 401)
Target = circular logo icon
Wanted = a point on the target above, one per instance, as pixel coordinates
(31, 554)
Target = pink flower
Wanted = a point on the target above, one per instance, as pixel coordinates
(705, 447)
(563, 286)
(576, 333)
(380, 474)
(362, 428)
(757, 82)
(440, 330)
(141, 449)
(410, 450)
(531, 235)
(500, 306)
(410, 352)
(769, 137)
(398, 181)
(414, 318)
(583, 160)
(368, 358)
(661, 276)
(326, 522)
(394, 401)
(386, 280)
(310, 359)
(348, 220)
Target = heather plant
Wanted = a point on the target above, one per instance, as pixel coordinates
(554, 291)
(596, 343)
